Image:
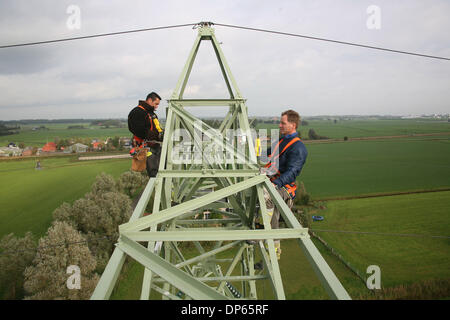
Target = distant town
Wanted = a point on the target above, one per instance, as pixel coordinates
(74, 144)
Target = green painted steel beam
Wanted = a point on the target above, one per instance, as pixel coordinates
(208, 173)
(206, 102)
(174, 276)
(112, 270)
(206, 234)
(329, 280)
(173, 212)
(207, 254)
(275, 275)
(224, 278)
(109, 276)
(208, 221)
(231, 267)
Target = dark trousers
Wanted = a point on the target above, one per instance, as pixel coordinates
(153, 161)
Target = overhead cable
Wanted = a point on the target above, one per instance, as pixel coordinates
(330, 40)
(96, 35)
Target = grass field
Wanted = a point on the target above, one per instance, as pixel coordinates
(368, 128)
(333, 170)
(402, 259)
(30, 196)
(39, 138)
(381, 166)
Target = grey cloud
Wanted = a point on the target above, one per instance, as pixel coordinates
(106, 76)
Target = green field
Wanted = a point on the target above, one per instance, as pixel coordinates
(39, 138)
(368, 128)
(30, 196)
(333, 170)
(402, 259)
(381, 166)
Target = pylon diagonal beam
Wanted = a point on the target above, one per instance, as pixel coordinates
(173, 212)
(179, 279)
(276, 275)
(207, 254)
(329, 280)
(112, 270)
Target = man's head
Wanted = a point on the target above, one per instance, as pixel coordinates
(153, 99)
(289, 122)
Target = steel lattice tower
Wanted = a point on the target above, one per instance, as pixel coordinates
(233, 192)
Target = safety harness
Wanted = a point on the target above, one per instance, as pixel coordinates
(154, 121)
(290, 187)
(140, 143)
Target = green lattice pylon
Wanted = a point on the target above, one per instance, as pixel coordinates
(206, 194)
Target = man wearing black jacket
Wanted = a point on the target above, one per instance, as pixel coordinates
(144, 124)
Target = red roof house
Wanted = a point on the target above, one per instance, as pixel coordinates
(49, 147)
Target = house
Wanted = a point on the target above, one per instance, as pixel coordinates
(97, 145)
(76, 148)
(10, 151)
(125, 141)
(28, 151)
(49, 147)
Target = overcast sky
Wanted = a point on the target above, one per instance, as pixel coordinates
(105, 77)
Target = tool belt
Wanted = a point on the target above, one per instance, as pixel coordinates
(139, 152)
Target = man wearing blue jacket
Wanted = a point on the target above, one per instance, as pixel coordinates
(286, 161)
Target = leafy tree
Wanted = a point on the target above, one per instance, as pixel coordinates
(98, 215)
(131, 181)
(16, 255)
(46, 278)
(103, 183)
(314, 136)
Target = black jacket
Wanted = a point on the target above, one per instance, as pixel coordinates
(142, 123)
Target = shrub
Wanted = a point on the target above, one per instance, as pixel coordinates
(98, 216)
(15, 255)
(46, 278)
(303, 198)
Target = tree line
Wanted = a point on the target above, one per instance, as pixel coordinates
(81, 234)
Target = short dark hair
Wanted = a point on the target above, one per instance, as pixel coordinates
(292, 116)
(153, 96)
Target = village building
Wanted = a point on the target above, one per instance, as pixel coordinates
(49, 147)
(10, 152)
(28, 151)
(76, 148)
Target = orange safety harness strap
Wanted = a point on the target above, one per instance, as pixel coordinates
(150, 118)
(290, 187)
(140, 141)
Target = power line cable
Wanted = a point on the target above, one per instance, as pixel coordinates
(229, 26)
(97, 35)
(329, 40)
(383, 234)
